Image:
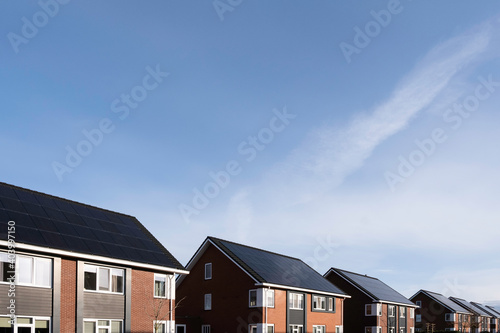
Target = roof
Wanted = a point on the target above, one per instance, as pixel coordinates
(373, 287)
(55, 223)
(484, 308)
(446, 302)
(493, 310)
(266, 267)
(469, 306)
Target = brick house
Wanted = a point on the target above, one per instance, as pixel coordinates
(480, 320)
(439, 313)
(494, 316)
(237, 288)
(374, 307)
(78, 268)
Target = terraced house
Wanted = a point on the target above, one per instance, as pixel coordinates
(495, 316)
(237, 288)
(440, 313)
(479, 319)
(80, 269)
(374, 307)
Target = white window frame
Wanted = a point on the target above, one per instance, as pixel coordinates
(250, 292)
(447, 317)
(207, 302)
(412, 313)
(331, 304)
(296, 329)
(375, 310)
(5, 261)
(110, 269)
(300, 301)
(161, 322)
(402, 312)
(391, 309)
(266, 328)
(269, 292)
(35, 263)
(205, 328)
(339, 329)
(96, 321)
(321, 327)
(33, 323)
(180, 325)
(252, 328)
(166, 287)
(208, 271)
(321, 300)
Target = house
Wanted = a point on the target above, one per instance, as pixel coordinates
(70, 267)
(374, 307)
(439, 313)
(480, 320)
(495, 317)
(236, 288)
(496, 313)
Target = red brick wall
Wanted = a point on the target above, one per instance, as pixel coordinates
(330, 320)
(277, 314)
(144, 304)
(229, 287)
(68, 295)
(431, 312)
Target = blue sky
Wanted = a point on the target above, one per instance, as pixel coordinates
(360, 135)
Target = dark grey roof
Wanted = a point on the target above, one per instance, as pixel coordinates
(485, 309)
(445, 301)
(469, 306)
(61, 224)
(377, 289)
(273, 268)
(493, 310)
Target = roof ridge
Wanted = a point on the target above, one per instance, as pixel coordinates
(359, 274)
(65, 199)
(340, 271)
(253, 247)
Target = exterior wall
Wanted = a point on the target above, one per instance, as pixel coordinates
(144, 305)
(30, 301)
(329, 319)
(68, 295)
(275, 315)
(229, 287)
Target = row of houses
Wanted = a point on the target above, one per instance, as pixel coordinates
(70, 267)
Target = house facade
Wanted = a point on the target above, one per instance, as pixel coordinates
(439, 313)
(70, 267)
(374, 307)
(479, 319)
(494, 316)
(237, 288)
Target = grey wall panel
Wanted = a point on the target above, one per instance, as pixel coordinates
(103, 306)
(56, 302)
(30, 301)
(296, 317)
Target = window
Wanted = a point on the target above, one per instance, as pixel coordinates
(270, 298)
(208, 301)
(339, 329)
(318, 328)
(331, 304)
(319, 302)
(373, 309)
(449, 317)
(160, 283)
(296, 301)
(418, 303)
(26, 324)
(252, 329)
(4, 267)
(34, 271)
(160, 326)
(392, 310)
(102, 326)
(205, 328)
(252, 298)
(418, 318)
(402, 312)
(208, 271)
(270, 329)
(412, 313)
(296, 328)
(180, 328)
(103, 279)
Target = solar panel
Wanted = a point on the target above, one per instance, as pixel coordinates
(278, 269)
(66, 225)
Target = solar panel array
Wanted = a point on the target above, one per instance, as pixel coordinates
(446, 301)
(377, 288)
(274, 268)
(468, 305)
(61, 224)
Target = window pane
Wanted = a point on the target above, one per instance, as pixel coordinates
(4, 322)
(88, 327)
(117, 280)
(116, 327)
(25, 269)
(103, 330)
(90, 281)
(208, 271)
(103, 279)
(24, 320)
(103, 323)
(270, 329)
(253, 297)
(41, 323)
(43, 272)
